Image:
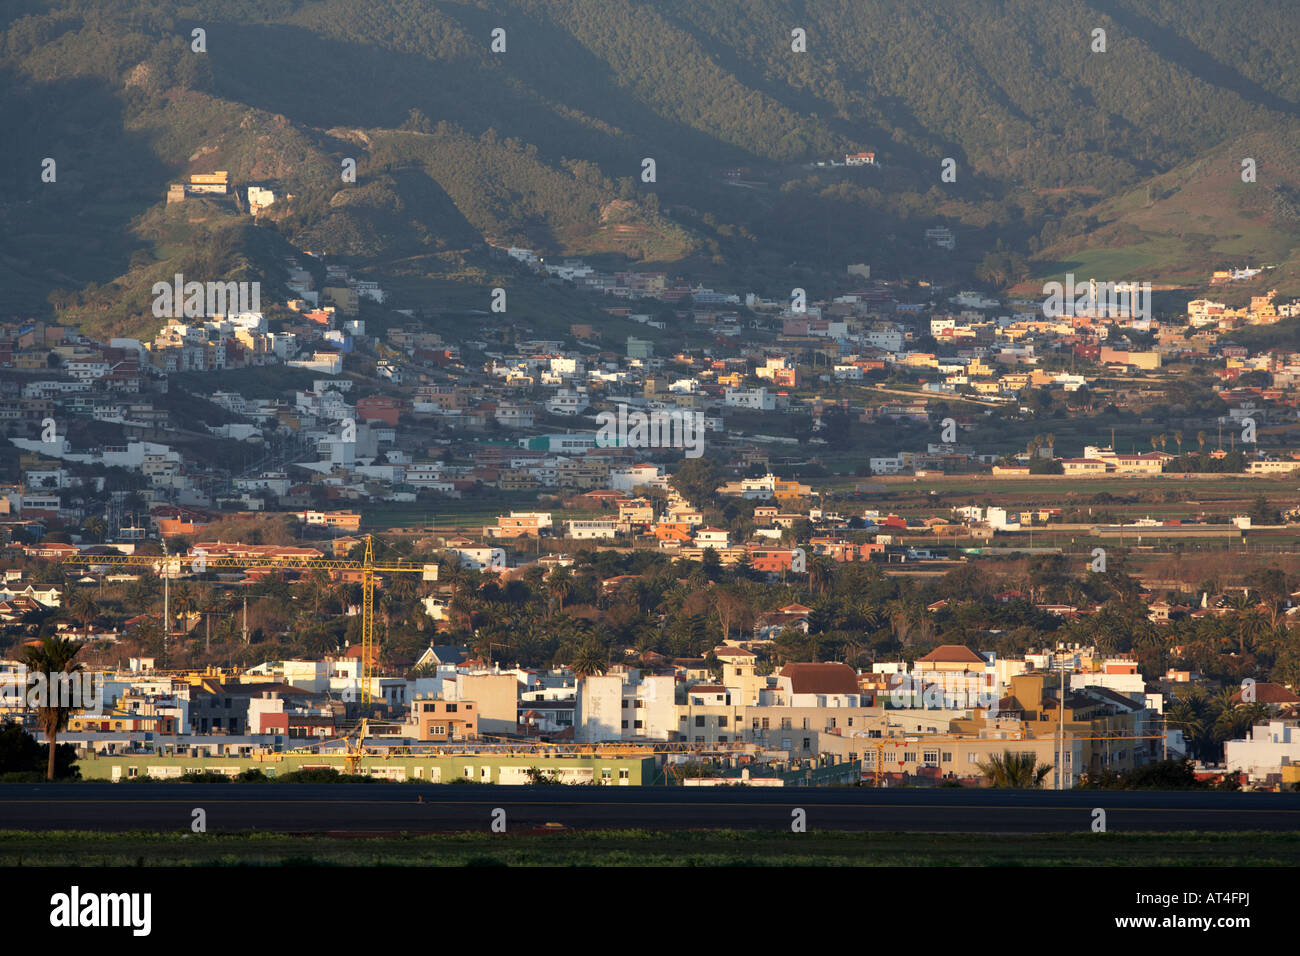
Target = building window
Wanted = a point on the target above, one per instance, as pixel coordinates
(699, 720)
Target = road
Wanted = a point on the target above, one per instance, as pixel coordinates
(388, 808)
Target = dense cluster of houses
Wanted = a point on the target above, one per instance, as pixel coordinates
(402, 417)
(937, 718)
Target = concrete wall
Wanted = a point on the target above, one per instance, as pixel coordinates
(497, 697)
(599, 711)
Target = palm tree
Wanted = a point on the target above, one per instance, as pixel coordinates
(142, 592)
(821, 570)
(1247, 620)
(85, 610)
(463, 606)
(94, 525)
(589, 660)
(1014, 770)
(53, 658)
(560, 585)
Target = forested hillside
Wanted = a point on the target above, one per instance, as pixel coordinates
(542, 145)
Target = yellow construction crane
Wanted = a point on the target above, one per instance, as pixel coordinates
(352, 754)
(199, 561)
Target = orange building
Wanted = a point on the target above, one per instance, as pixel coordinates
(444, 719)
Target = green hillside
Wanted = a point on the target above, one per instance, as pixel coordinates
(1177, 228)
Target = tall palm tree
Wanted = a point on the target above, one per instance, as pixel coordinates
(821, 570)
(560, 585)
(1246, 619)
(54, 658)
(1014, 771)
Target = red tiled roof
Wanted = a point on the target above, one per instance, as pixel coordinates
(1269, 693)
(821, 678)
(951, 654)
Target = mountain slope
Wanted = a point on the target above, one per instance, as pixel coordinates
(543, 145)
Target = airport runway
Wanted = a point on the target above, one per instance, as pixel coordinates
(389, 808)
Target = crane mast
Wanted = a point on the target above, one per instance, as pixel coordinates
(165, 564)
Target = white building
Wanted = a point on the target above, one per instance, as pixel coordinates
(592, 530)
(480, 559)
(625, 707)
(1268, 749)
(626, 479)
(757, 399)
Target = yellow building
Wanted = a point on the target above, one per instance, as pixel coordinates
(343, 298)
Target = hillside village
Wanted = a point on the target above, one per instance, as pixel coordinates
(404, 417)
(407, 418)
(792, 403)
